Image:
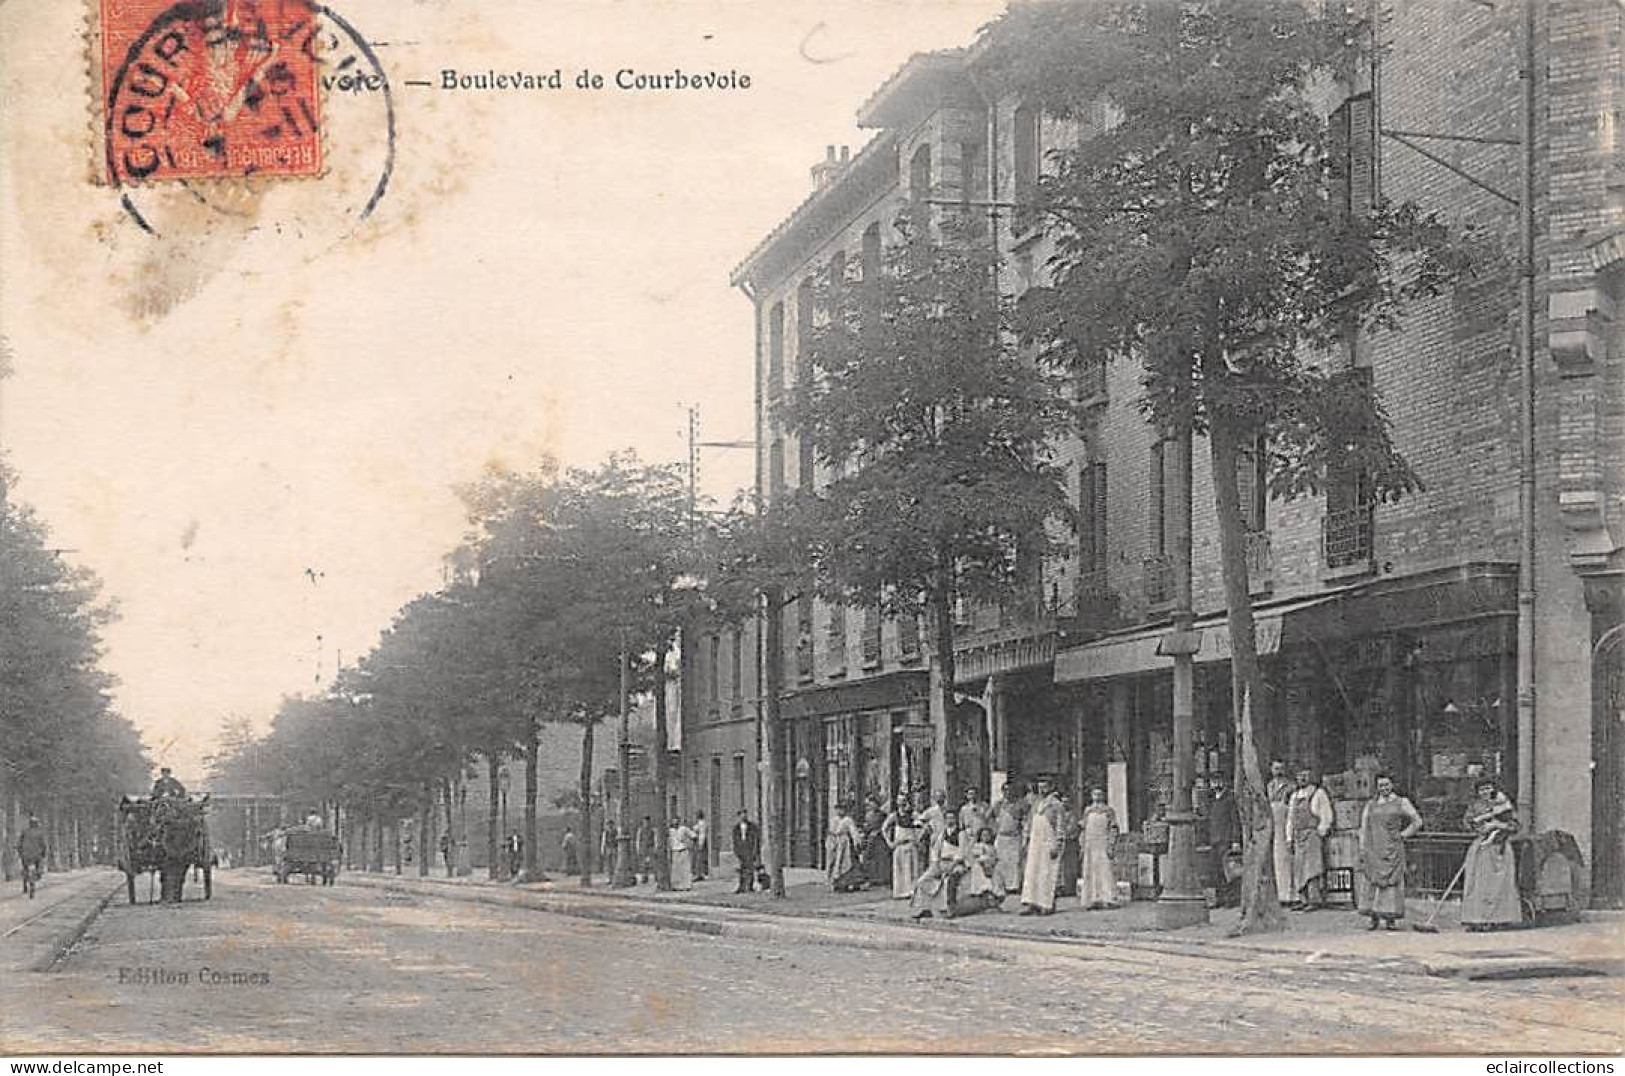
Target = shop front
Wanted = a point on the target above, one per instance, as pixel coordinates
(847, 743)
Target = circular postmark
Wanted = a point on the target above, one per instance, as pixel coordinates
(271, 121)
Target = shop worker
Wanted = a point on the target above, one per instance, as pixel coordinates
(1279, 791)
(1309, 820)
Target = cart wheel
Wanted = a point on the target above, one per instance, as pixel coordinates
(208, 883)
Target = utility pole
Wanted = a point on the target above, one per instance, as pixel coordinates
(624, 875)
(1526, 453)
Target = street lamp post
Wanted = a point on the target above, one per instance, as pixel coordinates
(624, 876)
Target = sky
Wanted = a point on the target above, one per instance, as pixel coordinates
(256, 441)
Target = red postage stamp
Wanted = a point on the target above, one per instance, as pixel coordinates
(209, 89)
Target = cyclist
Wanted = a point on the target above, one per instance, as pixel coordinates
(31, 850)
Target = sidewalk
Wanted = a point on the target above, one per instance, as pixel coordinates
(35, 933)
(1595, 945)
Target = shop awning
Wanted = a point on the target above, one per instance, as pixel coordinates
(902, 688)
(1136, 651)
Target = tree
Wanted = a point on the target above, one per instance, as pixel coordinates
(1213, 228)
(933, 432)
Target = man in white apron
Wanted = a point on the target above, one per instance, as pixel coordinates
(1044, 845)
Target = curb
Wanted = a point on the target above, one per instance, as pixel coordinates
(58, 949)
(994, 945)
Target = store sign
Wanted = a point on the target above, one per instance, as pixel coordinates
(919, 735)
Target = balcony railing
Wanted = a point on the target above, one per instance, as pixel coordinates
(1260, 562)
(1159, 581)
(1346, 537)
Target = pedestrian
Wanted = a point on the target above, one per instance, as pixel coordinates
(702, 847)
(1044, 843)
(747, 839)
(901, 833)
(973, 816)
(935, 819)
(1489, 897)
(1223, 838)
(1279, 793)
(1097, 886)
(976, 889)
(445, 851)
(680, 847)
(876, 853)
(515, 848)
(643, 869)
(841, 852)
(31, 850)
(1387, 822)
(609, 845)
(1309, 820)
(934, 890)
(568, 852)
(1008, 822)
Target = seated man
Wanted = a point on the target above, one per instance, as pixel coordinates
(167, 787)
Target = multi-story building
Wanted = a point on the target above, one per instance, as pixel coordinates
(1387, 631)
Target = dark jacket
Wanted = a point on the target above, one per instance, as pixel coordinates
(747, 842)
(31, 845)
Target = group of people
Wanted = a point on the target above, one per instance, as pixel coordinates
(949, 863)
(1303, 817)
(687, 849)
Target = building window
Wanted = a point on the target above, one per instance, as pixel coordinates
(837, 639)
(1352, 140)
(1092, 516)
(713, 687)
(775, 469)
(971, 181)
(804, 330)
(919, 175)
(804, 636)
(737, 655)
(739, 789)
(1349, 525)
(908, 636)
(1029, 156)
(775, 351)
(871, 636)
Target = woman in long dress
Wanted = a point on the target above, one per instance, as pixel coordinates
(841, 852)
(901, 834)
(1388, 822)
(1490, 881)
(1097, 886)
(680, 839)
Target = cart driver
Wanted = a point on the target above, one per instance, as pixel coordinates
(167, 787)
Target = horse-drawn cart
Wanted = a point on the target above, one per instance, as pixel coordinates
(170, 835)
(313, 853)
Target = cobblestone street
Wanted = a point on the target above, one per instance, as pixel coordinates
(264, 967)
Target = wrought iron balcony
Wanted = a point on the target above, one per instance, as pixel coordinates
(1260, 562)
(1346, 537)
(1159, 581)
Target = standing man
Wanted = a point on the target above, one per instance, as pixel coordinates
(747, 847)
(608, 845)
(1309, 820)
(702, 847)
(445, 851)
(973, 818)
(1279, 791)
(567, 846)
(515, 847)
(935, 817)
(1044, 844)
(644, 847)
(31, 850)
(1008, 822)
(1223, 834)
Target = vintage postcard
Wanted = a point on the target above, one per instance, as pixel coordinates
(896, 527)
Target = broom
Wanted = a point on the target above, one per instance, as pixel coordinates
(1428, 927)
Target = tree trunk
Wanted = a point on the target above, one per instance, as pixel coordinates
(493, 836)
(449, 859)
(942, 613)
(8, 853)
(773, 829)
(588, 841)
(532, 777)
(395, 840)
(426, 842)
(1260, 905)
(662, 823)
